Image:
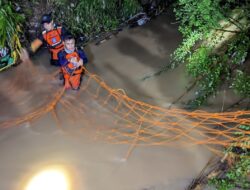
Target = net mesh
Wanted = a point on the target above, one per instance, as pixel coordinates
(110, 116)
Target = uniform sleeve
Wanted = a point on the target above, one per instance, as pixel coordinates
(40, 37)
(83, 56)
(36, 44)
(62, 59)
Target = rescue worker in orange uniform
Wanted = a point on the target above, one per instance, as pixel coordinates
(72, 60)
(52, 36)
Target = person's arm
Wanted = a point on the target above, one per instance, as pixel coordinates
(36, 44)
(76, 62)
(83, 56)
(62, 59)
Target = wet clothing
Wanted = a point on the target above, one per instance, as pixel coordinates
(71, 72)
(63, 60)
(53, 40)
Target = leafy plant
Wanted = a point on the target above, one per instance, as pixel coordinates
(238, 175)
(242, 84)
(201, 16)
(10, 23)
(215, 44)
(91, 17)
(234, 177)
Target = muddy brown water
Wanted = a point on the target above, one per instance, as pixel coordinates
(122, 62)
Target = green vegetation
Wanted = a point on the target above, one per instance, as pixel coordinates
(91, 17)
(215, 44)
(238, 174)
(242, 83)
(10, 23)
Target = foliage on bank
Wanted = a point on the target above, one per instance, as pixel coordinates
(237, 174)
(10, 28)
(215, 45)
(91, 17)
(235, 177)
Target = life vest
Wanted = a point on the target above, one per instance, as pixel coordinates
(54, 41)
(70, 68)
(53, 37)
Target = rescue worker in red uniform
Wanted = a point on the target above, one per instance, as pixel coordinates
(72, 60)
(52, 36)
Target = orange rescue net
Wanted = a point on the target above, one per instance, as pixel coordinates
(109, 115)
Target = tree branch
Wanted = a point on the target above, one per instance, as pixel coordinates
(220, 29)
(235, 22)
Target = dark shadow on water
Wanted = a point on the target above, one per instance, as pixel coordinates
(165, 33)
(131, 48)
(134, 90)
(166, 38)
(164, 30)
